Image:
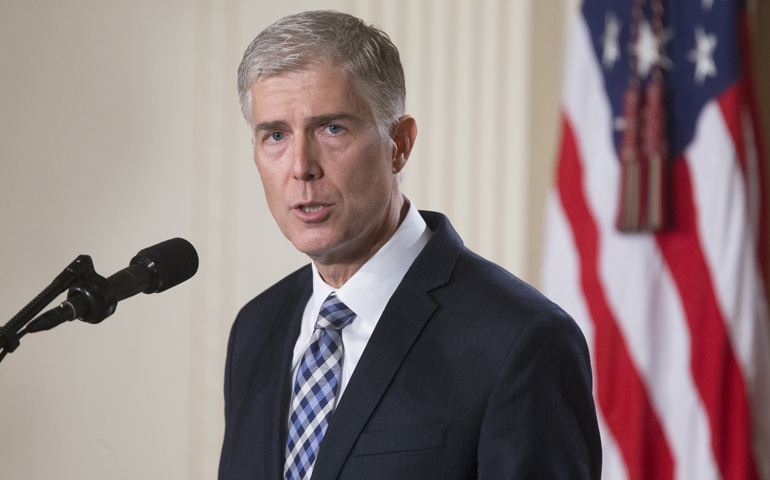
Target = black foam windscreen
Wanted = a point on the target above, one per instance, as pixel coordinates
(170, 263)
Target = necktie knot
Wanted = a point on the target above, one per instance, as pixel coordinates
(334, 314)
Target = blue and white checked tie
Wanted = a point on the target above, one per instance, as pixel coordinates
(316, 385)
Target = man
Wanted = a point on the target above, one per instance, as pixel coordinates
(397, 353)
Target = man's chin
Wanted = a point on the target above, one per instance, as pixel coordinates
(317, 251)
(327, 254)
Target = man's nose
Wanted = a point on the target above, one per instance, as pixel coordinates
(305, 157)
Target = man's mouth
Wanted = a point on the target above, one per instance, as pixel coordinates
(311, 208)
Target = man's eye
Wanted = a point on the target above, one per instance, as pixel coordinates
(334, 129)
(276, 136)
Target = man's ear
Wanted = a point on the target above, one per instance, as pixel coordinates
(404, 137)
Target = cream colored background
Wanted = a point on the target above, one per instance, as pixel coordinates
(120, 128)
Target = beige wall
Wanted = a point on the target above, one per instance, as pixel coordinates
(120, 128)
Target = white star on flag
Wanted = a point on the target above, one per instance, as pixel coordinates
(610, 40)
(648, 49)
(703, 55)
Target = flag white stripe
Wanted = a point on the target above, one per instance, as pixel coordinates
(729, 243)
(561, 277)
(561, 269)
(724, 233)
(648, 310)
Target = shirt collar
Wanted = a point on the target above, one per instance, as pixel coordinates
(368, 291)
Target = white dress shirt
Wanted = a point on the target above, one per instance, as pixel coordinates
(366, 293)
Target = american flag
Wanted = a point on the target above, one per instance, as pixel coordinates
(676, 319)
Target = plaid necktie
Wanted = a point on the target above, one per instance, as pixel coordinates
(316, 385)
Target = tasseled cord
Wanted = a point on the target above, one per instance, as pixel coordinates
(644, 151)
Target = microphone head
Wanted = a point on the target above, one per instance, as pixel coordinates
(170, 263)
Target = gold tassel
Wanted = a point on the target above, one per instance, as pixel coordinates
(656, 153)
(630, 168)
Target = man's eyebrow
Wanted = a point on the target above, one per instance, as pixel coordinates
(329, 118)
(274, 125)
(316, 120)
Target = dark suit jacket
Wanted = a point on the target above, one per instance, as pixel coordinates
(470, 373)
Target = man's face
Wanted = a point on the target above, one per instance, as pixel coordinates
(329, 178)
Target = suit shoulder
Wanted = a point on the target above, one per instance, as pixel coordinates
(485, 300)
(499, 288)
(283, 299)
(482, 298)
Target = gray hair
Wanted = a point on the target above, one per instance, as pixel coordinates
(302, 41)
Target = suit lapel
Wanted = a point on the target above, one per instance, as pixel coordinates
(391, 340)
(407, 312)
(275, 379)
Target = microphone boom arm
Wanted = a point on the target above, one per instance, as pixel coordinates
(92, 297)
(79, 268)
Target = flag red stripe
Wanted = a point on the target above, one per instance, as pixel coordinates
(621, 393)
(715, 368)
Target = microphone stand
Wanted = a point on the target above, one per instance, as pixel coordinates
(10, 333)
(92, 297)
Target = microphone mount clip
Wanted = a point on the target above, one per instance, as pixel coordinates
(100, 293)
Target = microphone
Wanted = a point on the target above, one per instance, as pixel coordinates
(153, 270)
(157, 268)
